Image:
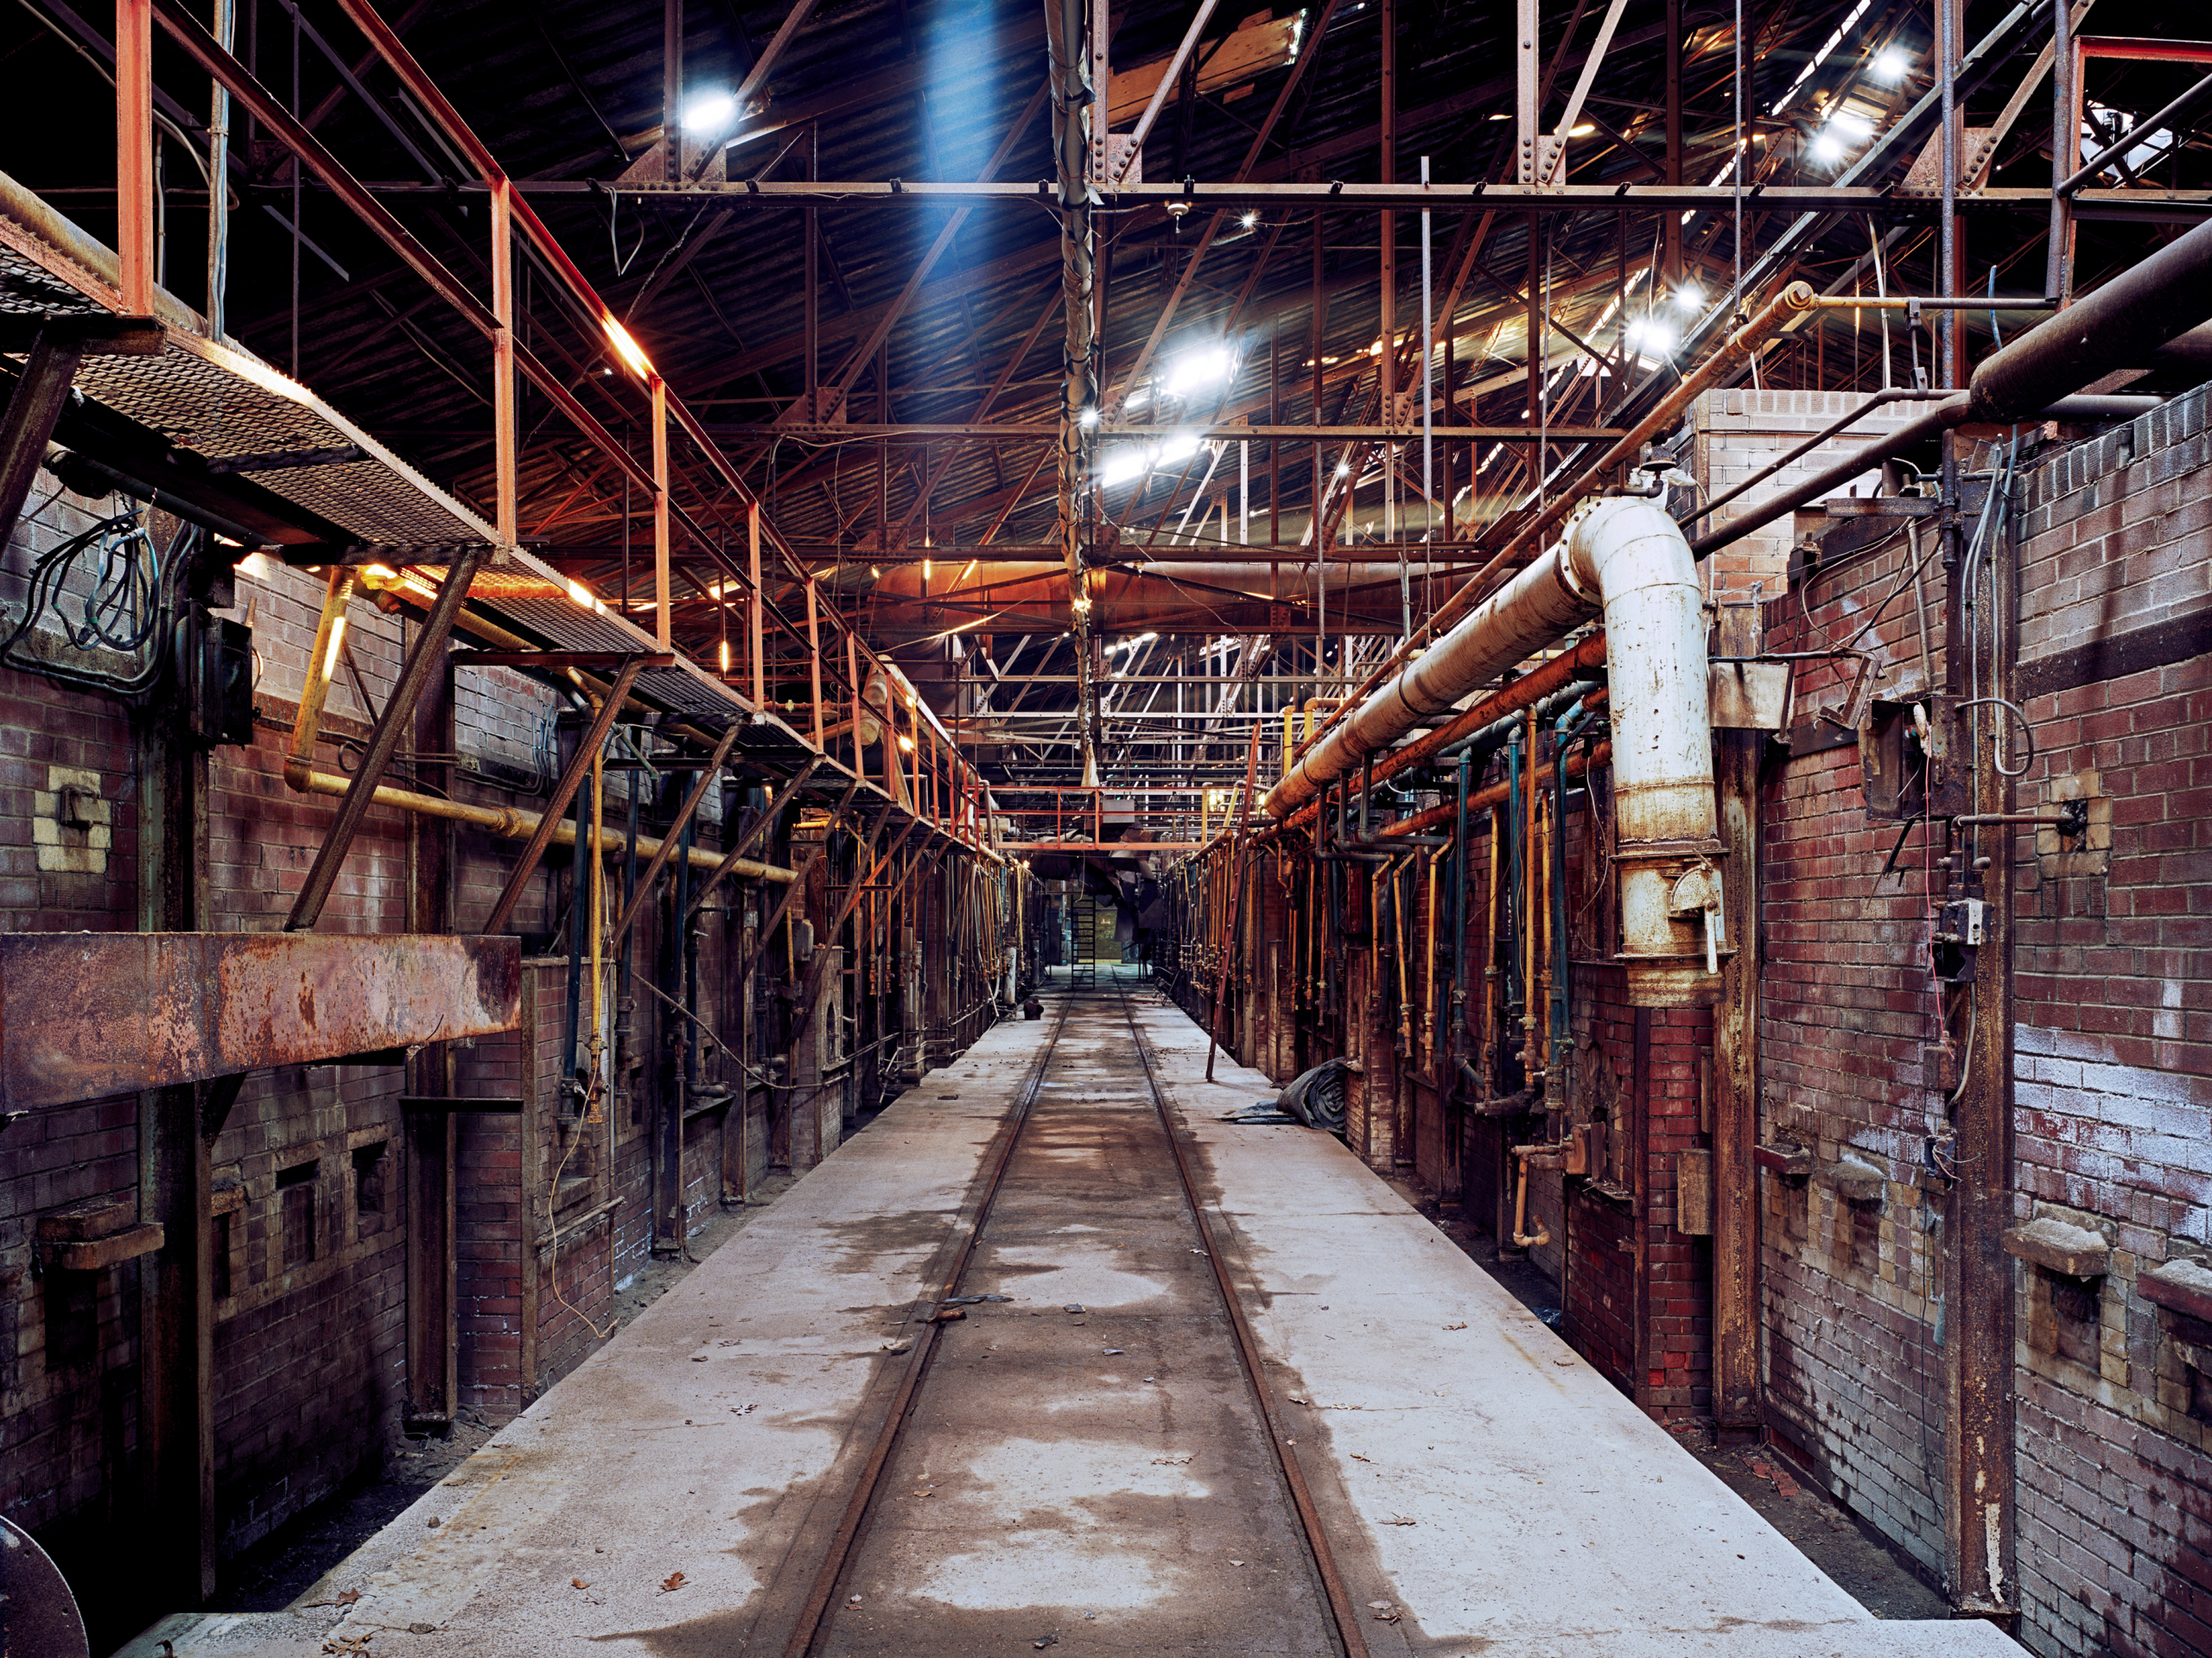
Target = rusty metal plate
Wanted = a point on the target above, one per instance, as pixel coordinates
(86, 1015)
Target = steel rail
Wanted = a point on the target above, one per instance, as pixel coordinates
(809, 1628)
(1248, 1350)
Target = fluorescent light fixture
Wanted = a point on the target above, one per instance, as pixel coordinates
(1138, 398)
(1850, 128)
(709, 112)
(725, 655)
(626, 347)
(1889, 66)
(1582, 132)
(1826, 148)
(1195, 371)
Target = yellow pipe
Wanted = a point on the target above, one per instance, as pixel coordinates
(513, 824)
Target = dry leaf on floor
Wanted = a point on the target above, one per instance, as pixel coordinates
(672, 1582)
(578, 1582)
(1458, 1326)
(1356, 1457)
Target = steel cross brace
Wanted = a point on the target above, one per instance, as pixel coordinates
(707, 776)
(57, 345)
(429, 651)
(564, 791)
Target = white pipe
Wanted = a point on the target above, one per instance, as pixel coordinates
(1626, 555)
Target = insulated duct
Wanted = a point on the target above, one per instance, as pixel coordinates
(1626, 555)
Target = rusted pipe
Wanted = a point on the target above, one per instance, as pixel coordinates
(1522, 1238)
(1793, 301)
(511, 823)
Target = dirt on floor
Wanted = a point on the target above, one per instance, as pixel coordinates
(287, 1564)
(1852, 1555)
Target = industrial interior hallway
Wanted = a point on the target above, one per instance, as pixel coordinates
(974, 1386)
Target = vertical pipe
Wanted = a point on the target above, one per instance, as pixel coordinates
(1947, 48)
(134, 153)
(671, 93)
(218, 173)
(1317, 312)
(754, 608)
(814, 655)
(1427, 355)
(505, 444)
(2065, 149)
(813, 324)
(1387, 364)
(662, 611)
(1671, 222)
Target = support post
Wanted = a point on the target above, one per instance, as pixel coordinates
(1737, 1396)
(1979, 1512)
(431, 1136)
(505, 442)
(759, 601)
(134, 153)
(662, 620)
(176, 1423)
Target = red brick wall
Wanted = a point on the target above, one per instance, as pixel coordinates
(1850, 1292)
(2113, 1066)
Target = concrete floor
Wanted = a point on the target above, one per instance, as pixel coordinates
(1484, 1491)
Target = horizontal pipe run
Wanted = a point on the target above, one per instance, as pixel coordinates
(512, 824)
(1954, 411)
(1489, 795)
(1793, 301)
(1586, 656)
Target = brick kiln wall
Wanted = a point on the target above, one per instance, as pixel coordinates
(310, 1227)
(2112, 1064)
(1851, 1290)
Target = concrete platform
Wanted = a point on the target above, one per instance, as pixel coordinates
(1049, 1488)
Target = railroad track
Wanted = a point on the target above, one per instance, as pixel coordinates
(1130, 1063)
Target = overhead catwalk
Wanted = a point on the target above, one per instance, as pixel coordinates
(1054, 1355)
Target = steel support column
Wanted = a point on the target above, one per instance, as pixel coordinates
(1737, 1396)
(176, 1419)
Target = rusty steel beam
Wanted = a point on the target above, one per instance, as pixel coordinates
(84, 1016)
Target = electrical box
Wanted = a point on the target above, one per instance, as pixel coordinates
(1958, 940)
(214, 675)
